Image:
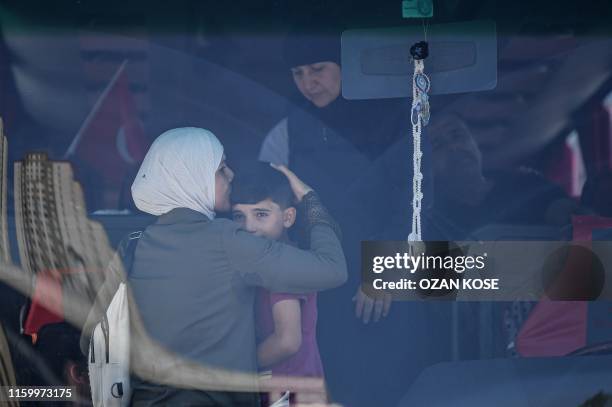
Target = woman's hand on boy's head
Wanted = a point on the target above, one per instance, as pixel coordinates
(300, 189)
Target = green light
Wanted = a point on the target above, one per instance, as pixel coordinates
(417, 8)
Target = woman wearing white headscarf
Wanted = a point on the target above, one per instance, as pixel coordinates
(179, 172)
(193, 276)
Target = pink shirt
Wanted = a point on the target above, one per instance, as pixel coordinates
(306, 361)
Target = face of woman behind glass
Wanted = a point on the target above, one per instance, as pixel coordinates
(223, 186)
(318, 82)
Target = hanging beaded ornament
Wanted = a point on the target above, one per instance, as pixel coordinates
(419, 117)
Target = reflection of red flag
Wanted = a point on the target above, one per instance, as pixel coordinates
(47, 303)
(112, 136)
(554, 328)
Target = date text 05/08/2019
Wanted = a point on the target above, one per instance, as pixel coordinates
(437, 284)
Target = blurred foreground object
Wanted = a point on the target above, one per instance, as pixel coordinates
(58, 244)
(5, 253)
(53, 230)
(511, 382)
(7, 373)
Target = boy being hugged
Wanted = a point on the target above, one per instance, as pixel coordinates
(263, 203)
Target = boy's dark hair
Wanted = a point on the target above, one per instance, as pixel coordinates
(259, 182)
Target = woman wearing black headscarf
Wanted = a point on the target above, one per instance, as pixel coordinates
(358, 155)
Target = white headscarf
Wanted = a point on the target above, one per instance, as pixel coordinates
(179, 172)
